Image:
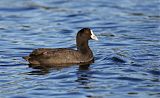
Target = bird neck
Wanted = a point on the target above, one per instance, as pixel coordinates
(83, 47)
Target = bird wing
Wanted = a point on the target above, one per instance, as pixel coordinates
(50, 52)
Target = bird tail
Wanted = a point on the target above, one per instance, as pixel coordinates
(26, 58)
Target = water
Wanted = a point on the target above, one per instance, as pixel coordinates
(127, 55)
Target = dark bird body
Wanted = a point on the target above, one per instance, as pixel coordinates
(59, 56)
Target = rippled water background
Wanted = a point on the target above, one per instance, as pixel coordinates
(127, 55)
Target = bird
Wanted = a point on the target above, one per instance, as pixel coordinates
(62, 56)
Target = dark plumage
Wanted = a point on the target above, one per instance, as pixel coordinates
(59, 56)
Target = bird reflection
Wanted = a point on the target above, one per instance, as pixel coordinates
(83, 76)
(83, 73)
(42, 70)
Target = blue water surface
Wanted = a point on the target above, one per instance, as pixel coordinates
(127, 55)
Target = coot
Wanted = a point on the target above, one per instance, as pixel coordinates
(60, 56)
